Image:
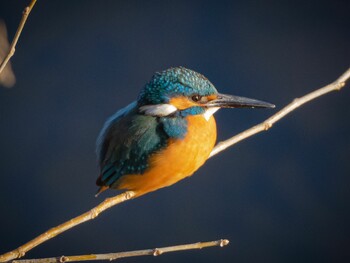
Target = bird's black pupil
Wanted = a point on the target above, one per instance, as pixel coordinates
(196, 97)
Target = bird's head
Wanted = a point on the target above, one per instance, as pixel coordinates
(182, 92)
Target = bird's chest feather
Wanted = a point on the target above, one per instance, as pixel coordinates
(181, 158)
(187, 154)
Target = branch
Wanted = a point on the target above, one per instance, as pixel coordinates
(267, 124)
(7, 77)
(12, 50)
(91, 214)
(109, 202)
(127, 254)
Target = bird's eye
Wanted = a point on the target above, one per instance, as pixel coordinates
(196, 98)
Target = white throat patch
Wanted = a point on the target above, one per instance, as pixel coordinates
(158, 110)
(207, 114)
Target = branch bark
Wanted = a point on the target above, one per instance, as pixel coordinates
(127, 254)
(51, 233)
(296, 103)
(109, 202)
(12, 50)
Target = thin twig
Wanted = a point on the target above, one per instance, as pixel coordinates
(267, 124)
(108, 203)
(91, 214)
(12, 50)
(7, 77)
(127, 254)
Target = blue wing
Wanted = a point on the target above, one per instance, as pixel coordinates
(125, 144)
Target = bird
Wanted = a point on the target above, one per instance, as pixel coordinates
(165, 135)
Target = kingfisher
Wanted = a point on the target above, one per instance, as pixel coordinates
(165, 135)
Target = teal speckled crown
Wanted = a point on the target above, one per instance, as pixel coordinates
(174, 82)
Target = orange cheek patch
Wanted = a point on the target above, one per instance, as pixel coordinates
(212, 97)
(182, 103)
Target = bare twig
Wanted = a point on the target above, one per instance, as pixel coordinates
(7, 77)
(12, 50)
(267, 124)
(91, 214)
(108, 203)
(127, 254)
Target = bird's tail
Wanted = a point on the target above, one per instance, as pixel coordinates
(101, 189)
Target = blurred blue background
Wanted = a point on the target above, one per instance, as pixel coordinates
(280, 196)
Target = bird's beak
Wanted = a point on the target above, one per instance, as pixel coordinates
(230, 101)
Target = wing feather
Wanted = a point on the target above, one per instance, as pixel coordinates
(125, 144)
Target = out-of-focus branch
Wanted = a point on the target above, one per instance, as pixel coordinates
(7, 77)
(126, 254)
(267, 124)
(12, 50)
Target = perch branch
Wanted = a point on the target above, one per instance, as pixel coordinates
(126, 254)
(12, 50)
(91, 214)
(267, 124)
(109, 202)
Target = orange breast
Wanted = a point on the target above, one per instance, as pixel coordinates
(180, 159)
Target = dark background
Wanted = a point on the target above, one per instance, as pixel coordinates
(281, 196)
